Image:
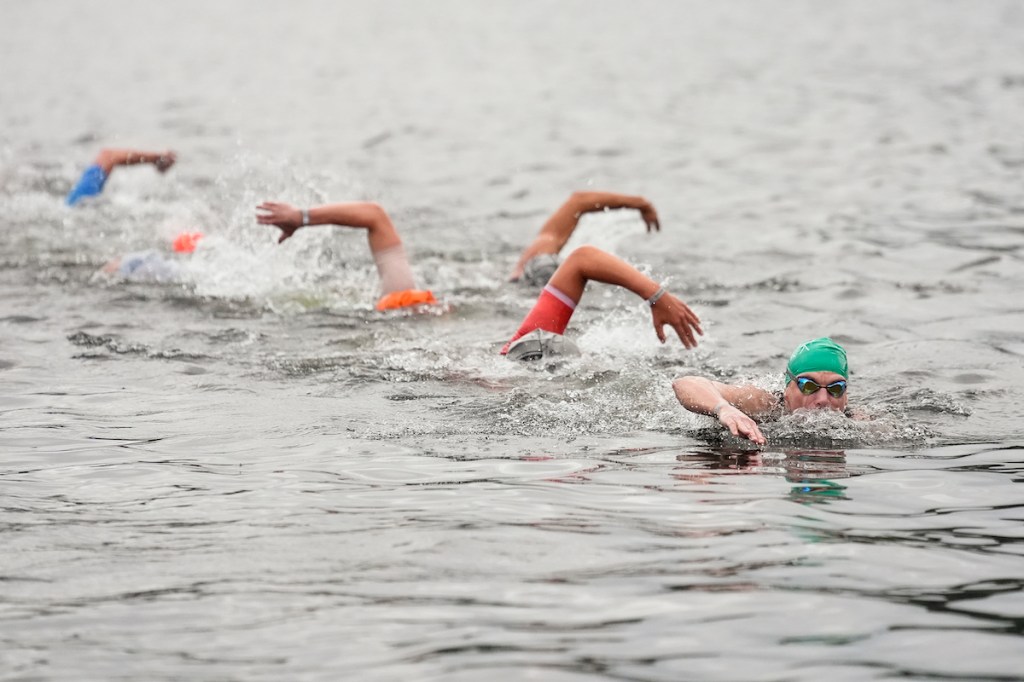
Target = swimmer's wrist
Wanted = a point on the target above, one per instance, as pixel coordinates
(656, 295)
(305, 217)
(717, 409)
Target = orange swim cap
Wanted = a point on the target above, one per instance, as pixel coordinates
(186, 242)
(404, 299)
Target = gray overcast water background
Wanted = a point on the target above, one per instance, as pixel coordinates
(251, 475)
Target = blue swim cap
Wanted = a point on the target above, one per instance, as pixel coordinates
(89, 185)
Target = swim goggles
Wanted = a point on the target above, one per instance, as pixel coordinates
(809, 386)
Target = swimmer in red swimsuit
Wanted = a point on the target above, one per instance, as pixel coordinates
(539, 260)
(398, 288)
(558, 301)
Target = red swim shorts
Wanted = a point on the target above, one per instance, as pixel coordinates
(404, 299)
(551, 313)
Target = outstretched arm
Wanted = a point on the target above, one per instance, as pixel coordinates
(108, 159)
(590, 263)
(380, 231)
(385, 244)
(559, 227)
(731, 405)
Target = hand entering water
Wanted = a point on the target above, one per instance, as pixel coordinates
(740, 424)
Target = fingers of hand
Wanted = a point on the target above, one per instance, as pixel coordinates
(750, 430)
(272, 214)
(675, 318)
(165, 160)
(691, 318)
(688, 311)
(742, 425)
(684, 325)
(685, 335)
(650, 217)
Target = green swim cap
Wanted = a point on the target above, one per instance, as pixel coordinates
(818, 355)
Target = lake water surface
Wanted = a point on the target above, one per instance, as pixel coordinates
(251, 475)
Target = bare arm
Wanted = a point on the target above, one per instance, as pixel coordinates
(108, 159)
(590, 263)
(559, 227)
(731, 405)
(380, 231)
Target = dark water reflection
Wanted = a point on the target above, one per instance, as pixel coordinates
(812, 472)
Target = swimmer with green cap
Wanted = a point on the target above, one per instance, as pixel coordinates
(816, 378)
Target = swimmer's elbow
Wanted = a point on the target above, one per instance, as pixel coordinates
(375, 217)
(106, 159)
(681, 384)
(689, 382)
(375, 210)
(584, 201)
(584, 254)
(687, 387)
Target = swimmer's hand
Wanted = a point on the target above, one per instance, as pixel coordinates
(670, 311)
(650, 216)
(283, 216)
(740, 424)
(165, 161)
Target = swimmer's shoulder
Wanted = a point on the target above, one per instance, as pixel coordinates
(771, 409)
(752, 400)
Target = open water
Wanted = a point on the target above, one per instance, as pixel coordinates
(251, 475)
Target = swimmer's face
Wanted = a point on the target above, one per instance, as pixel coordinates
(820, 399)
